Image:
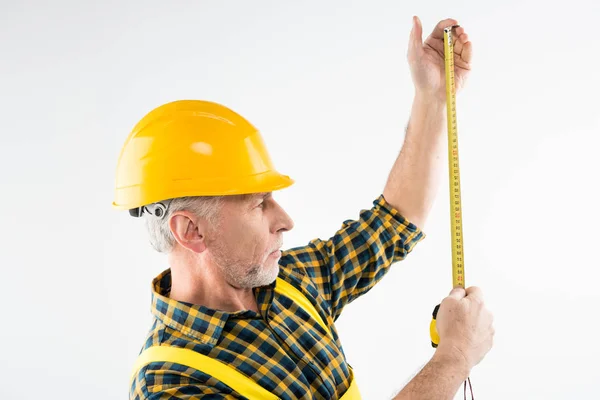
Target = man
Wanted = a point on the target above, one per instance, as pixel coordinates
(237, 318)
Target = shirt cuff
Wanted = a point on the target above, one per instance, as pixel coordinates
(401, 223)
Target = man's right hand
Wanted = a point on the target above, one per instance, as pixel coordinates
(465, 327)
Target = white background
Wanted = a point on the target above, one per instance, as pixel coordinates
(328, 85)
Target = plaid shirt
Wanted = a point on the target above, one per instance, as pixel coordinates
(281, 347)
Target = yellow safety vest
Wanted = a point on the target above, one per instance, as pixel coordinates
(223, 372)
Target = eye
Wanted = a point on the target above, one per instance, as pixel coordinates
(264, 203)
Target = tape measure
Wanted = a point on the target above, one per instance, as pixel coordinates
(456, 231)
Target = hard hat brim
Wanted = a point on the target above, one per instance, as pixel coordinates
(264, 182)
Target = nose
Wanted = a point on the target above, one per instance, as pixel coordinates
(284, 222)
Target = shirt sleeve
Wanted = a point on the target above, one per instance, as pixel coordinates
(358, 255)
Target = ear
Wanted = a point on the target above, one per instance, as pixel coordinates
(189, 231)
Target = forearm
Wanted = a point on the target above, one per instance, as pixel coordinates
(413, 181)
(439, 379)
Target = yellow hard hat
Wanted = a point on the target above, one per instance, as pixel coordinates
(193, 148)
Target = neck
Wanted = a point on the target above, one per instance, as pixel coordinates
(204, 285)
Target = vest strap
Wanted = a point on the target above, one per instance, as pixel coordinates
(225, 373)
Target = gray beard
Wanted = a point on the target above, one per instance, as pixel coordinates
(245, 276)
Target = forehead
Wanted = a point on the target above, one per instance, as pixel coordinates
(261, 195)
(251, 197)
(235, 206)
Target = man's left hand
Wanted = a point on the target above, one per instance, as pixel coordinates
(426, 60)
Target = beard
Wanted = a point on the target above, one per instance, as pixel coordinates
(259, 275)
(243, 273)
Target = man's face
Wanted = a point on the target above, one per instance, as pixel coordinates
(245, 245)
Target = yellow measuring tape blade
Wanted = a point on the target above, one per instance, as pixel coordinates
(458, 269)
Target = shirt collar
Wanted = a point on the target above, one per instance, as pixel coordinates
(199, 322)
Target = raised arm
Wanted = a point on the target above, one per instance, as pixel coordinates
(414, 179)
(357, 256)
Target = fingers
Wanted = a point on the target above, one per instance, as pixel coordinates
(456, 34)
(457, 293)
(459, 38)
(463, 49)
(474, 293)
(467, 52)
(438, 31)
(459, 41)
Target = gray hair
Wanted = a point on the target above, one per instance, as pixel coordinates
(160, 235)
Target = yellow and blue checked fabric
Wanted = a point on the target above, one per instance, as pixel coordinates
(282, 348)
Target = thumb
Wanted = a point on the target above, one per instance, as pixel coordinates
(416, 34)
(457, 293)
(416, 37)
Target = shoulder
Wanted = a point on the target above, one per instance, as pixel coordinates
(160, 380)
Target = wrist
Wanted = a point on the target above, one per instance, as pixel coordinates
(431, 100)
(454, 360)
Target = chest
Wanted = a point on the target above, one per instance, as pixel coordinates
(291, 350)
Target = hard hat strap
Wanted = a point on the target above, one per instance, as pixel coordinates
(158, 209)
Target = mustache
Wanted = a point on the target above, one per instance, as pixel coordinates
(279, 245)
